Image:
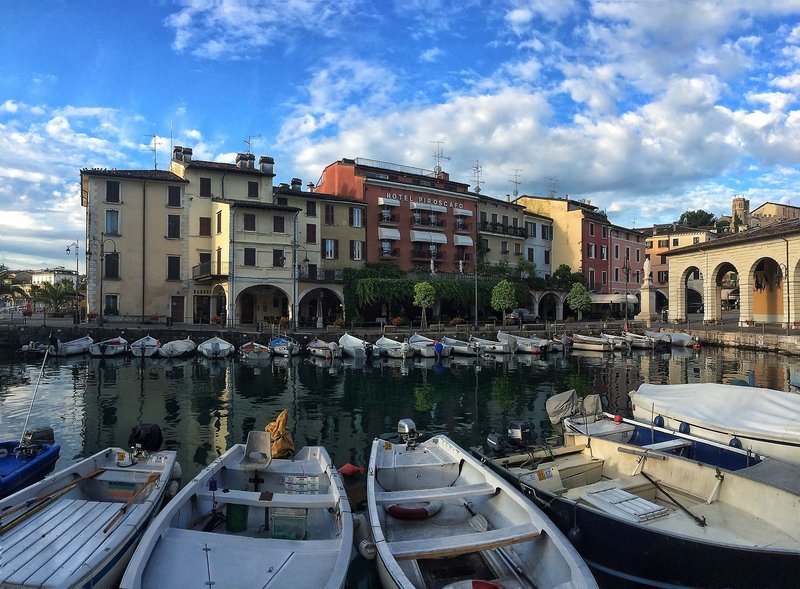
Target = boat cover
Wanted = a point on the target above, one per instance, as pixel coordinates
(567, 404)
(744, 411)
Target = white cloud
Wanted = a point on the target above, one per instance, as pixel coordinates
(430, 55)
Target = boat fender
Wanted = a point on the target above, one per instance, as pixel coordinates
(414, 510)
(3, 452)
(618, 419)
(350, 469)
(735, 443)
(684, 428)
(363, 538)
(658, 421)
(172, 489)
(438, 347)
(177, 472)
(575, 536)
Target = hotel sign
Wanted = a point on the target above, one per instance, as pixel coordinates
(450, 204)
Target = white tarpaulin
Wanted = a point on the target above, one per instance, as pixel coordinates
(462, 212)
(388, 202)
(388, 233)
(423, 206)
(428, 237)
(465, 240)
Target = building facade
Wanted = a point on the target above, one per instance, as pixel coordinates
(501, 230)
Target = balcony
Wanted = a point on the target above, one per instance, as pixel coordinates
(210, 271)
(388, 217)
(321, 275)
(424, 255)
(420, 221)
(462, 256)
(501, 229)
(462, 226)
(389, 254)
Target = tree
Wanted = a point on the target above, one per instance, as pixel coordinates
(54, 296)
(562, 277)
(504, 296)
(579, 299)
(698, 218)
(7, 289)
(425, 297)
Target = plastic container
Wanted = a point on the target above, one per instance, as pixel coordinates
(236, 517)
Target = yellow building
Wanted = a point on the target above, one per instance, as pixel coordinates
(501, 231)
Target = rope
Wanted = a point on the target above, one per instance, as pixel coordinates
(33, 398)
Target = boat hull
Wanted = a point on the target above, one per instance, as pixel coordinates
(18, 472)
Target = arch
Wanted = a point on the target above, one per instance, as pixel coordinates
(768, 293)
(263, 303)
(318, 306)
(550, 306)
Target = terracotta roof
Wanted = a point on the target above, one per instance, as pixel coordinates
(225, 167)
(154, 175)
(251, 204)
(284, 190)
(776, 230)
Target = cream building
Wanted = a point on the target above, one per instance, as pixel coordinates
(501, 231)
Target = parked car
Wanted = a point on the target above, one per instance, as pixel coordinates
(525, 315)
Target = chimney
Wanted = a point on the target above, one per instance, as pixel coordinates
(177, 153)
(241, 160)
(266, 164)
(251, 161)
(310, 187)
(187, 154)
(296, 184)
(508, 198)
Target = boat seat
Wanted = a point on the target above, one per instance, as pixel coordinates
(619, 502)
(257, 451)
(267, 499)
(668, 445)
(463, 543)
(417, 495)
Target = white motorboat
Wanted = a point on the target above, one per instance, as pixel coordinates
(74, 347)
(215, 347)
(250, 520)
(618, 341)
(78, 527)
(509, 346)
(178, 348)
(462, 347)
(322, 349)
(440, 518)
(145, 347)
(756, 419)
(590, 343)
(429, 348)
(640, 342)
(284, 346)
(110, 347)
(526, 345)
(674, 338)
(393, 349)
(253, 350)
(354, 347)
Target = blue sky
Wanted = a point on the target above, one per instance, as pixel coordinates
(646, 108)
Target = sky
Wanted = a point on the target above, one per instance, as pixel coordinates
(645, 108)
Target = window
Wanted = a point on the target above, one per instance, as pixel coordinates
(329, 220)
(355, 217)
(252, 190)
(174, 196)
(616, 274)
(112, 223)
(603, 252)
(503, 247)
(675, 242)
(283, 201)
(173, 267)
(111, 303)
(386, 248)
(604, 276)
(627, 253)
(311, 233)
(483, 216)
(663, 259)
(205, 187)
(616, 251)
(663, 276)
(648, 245)
(494, 218)
(638, 255)
(356, 250)
(112, 191)
(278, 259)
(695, 240)
(591, 229)
(278, 224)
(518, 249)
(219, 222)
(530, 229)
(311, 208)
(205, 226)
(663, 243)
(638, 277)
(591, 251)
(174, 226)
(249, 221)
(249, 256)
(591, 279)
(505, 220)
(546, 257)
(111, 265)
(605, 234)
(330, 248)
(530, 255)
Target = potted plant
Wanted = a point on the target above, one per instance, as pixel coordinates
(284, 322)
(398, 321)
(92, 315)
(456, 321)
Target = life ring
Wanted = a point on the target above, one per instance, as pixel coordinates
(414, 510)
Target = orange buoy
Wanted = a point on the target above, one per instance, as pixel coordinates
(350, 469)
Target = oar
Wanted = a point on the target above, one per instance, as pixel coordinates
(150, 480)
(59, 491)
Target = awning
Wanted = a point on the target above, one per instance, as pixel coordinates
(462, 212)
(462, 240)
(389, 202)
(421, 206)
(616, 299)
(428, 237)
(387, 233)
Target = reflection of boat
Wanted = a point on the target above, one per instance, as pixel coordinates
(284, 346)
(560, 344)
(392, 348)
(178, 348)
(71, 348)
(25, 462)
(332, 364)
(436, 364)
(215, 347)
(110, 347)
(590, 343)
(525, 345)
(323, 349)
(509, 346)
(78, 527)
(461, 347)
(355, 347)
(757, 419)
(439, 517)
(427, 347)
(145, 347)
(254, 351)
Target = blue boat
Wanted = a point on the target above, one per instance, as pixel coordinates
(22, 464)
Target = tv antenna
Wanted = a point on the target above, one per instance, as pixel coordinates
(552, 187)
(155, 141)
(515, 181)
(439, 156)
(477, 172)
(249, 142)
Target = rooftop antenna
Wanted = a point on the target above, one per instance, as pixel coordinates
(154, 143)
(249, 142)
(552, 187)
(477, 171)
(171, 146)
(439, 156)
(515, 181)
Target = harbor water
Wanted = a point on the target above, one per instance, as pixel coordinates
(205, 406)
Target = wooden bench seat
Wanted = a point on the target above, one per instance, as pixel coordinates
(668, 445)
(463, 543)
(266, 499)
(386, 497)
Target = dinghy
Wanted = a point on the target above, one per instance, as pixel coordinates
(322, 349)
(179, 348)
(250, 520)
(110, 347)
(509, 346)
(354, 347)
(253, 350)
(526, 345)
(462, 347)
(640, 342)
(74, 347)
(618, 341)
(78, 527)
(145, 347)
(590, 343)
(428, 348)
(674, 338)
(284, 346)
(25, 462)
(393, 349)
(215, 347)
(440, 518)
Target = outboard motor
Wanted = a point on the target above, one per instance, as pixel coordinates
(520, 433)
(497, 442)
(407, 430)
(145, 437)
(34, 439)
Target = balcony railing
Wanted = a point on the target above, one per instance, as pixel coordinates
(427, 222)
(390, 254)
(465, 256)
(314, 274)
(425, 254)
(210, 270)
(388, 217)
(460, 225)
(503, 229)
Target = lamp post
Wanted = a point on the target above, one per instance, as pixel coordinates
(475, 274)
(77, 315)
(102, 243)
(786, 283)
(626, 270)
(296, 278)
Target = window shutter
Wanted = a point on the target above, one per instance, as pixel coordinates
(335, 249)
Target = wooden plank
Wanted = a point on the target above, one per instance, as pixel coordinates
(668, 445)
(266, 499)
(382, 498)
(463, 543)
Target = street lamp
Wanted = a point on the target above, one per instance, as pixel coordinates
(74, 244)
(296, 278)
(102, 243)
